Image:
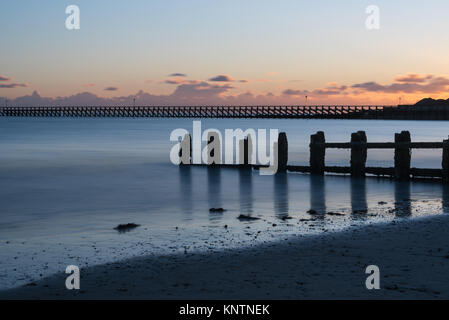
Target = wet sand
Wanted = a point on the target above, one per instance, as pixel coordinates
(413, 257)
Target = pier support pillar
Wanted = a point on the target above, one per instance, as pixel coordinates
(445, 161)
(402, 155)
(358, 154)
(282, 152)
(317, 153)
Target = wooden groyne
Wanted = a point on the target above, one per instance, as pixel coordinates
(358, 147)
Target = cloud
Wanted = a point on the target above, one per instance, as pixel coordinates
(292, 92)
(414, 84)
(221, 78)
(89, 85)
(177, 75)
(10, 85)
(196, 92)
(111, 89)
(174, 81)
(179, 81)
(330, 90)
(413, 77)
(13, 85)
(199, 92)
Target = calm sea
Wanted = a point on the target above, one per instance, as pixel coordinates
(66, 183)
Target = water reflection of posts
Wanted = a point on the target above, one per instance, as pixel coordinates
(359, 204)
(281, 207)
(317, 194)
(402, 202)
(214, 187)
(246, 191)
(185, 188)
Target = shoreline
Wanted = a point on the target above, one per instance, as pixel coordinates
(413, 257)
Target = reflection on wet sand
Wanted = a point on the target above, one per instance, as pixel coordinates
(359, 204)
(317, 194)
(214, 191)
(402, 201)
(281, 195)
(185, 188)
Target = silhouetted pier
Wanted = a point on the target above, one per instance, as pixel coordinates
(273, 112)
(332, 112)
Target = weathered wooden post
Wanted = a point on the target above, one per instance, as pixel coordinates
(317, 153)
(246, 152)
(402, 155)
(185, 150)
(244, 159)
(282, 152)
(213, 148)
(358, 154)
(445, 160)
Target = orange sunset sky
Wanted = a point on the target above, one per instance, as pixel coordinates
(223, 53)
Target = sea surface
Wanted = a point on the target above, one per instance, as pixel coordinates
(65, 183)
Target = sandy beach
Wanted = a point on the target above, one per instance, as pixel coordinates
(413, 257)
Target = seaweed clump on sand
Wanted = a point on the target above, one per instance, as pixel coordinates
(126, 227)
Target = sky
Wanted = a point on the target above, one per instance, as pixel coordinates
(245, 52)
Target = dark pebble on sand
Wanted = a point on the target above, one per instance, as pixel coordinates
(126, 227)
(243, 217)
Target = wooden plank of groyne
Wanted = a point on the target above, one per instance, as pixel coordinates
(386, 145)
(430, 173)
